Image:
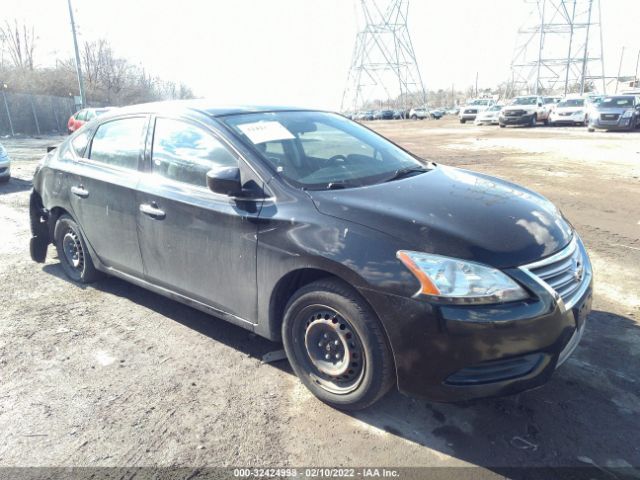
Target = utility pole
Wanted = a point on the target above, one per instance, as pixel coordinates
(635, 77)
(78, 66)
(619, 69)
(477, 73)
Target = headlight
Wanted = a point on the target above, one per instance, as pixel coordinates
(627, 114)
(459, 281)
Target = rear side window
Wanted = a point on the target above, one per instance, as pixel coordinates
(119, 143)
(185, 153)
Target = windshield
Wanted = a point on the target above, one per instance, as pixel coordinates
(525, 101)
(495, 108)
(616, 102)
(577, 102)
(317, 150)
(479, 102)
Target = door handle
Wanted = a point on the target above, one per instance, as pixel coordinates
(80, 191)
(152, 210)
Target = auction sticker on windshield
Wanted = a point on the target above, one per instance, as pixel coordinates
(262, 132)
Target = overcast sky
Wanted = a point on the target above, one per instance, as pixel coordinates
(299, 51)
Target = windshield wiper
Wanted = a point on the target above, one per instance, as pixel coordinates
(405, 172)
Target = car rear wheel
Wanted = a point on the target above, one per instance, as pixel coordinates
(462, 120)
(336, 345)
(72, 251)
(534, 120)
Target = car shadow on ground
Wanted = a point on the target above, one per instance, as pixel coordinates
(15, 185)
(585, 417)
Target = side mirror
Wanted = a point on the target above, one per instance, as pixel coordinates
(225, 181)
(539, 104)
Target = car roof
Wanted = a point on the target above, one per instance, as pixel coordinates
(206, 107)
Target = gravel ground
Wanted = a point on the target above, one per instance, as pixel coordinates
(112, 375)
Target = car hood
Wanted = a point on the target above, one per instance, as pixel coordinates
(519, 107)
(489, 114)
(456, 213)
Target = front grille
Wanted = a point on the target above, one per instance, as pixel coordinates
(610, 117)
(565, 114)
(567, 273)
(514, 113)
(471, 111)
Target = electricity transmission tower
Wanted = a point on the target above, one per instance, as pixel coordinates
(384, 66)
(559, 49)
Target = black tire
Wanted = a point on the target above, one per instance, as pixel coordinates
(75, 260)
(545, 122)
(591, 130)
(534, 120)
(502, 125)
(329, 316)
(463, 121)
(414, 117)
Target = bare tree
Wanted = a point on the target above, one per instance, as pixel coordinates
(19, 42)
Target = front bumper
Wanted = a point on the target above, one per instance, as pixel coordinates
(5, 168)
(516, 120)
(455, 353)
(486, 121)
(556, 119)
(467, 116)
(619, 124)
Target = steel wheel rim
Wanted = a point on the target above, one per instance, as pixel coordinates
(322, 331)
(73, 251)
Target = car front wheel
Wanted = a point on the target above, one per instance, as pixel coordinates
(72, 251)
(336, 345)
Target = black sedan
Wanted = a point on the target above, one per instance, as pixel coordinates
(375, 268)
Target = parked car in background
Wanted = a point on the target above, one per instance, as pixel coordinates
(620, 112)
(436, 114)
(375, 269)
(383, 115)
(525, 110)
(470, 111)
(366, 116)
(418, 113)
(400, 114)
(489, 116)
(5, 165)
(78, 119)
(570, 111)
(454, 111)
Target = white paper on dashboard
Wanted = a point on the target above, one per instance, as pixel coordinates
(261, 132)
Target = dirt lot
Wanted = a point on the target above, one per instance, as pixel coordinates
(112, 375)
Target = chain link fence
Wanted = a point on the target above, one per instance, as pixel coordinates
(26, 114)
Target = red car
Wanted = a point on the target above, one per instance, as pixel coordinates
(78, 119)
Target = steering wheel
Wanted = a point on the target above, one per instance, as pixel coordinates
(337, 159)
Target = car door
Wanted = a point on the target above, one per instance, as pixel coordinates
(194, 242)
(104, 192)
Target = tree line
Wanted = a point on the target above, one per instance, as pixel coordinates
(109, 79)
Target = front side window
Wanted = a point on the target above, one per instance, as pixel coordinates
(119, 143)
(185, 153)
(317, 150)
